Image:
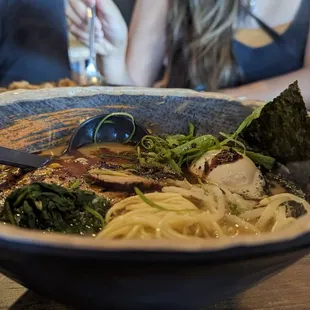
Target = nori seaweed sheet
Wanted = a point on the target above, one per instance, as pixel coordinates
(283, 129)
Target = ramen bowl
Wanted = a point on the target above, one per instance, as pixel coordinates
(130, 274)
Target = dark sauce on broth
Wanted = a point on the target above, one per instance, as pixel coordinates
(74, 165)
(66, 169)
(80, 161)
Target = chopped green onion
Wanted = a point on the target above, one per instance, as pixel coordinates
(260, 159)
(8, 213)
(106, 121)
(148, 201)
(155, 205)
(175, 166)
(231, 139)
(96, 214)
(254, 115)
(76, 184)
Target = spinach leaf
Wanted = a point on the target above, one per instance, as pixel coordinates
(56, 209)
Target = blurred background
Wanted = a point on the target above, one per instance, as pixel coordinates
(243, 48)
(36, 46)
(79, 53)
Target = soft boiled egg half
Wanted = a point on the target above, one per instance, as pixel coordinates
(231, 169)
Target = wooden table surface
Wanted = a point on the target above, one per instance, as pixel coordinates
(289, 290)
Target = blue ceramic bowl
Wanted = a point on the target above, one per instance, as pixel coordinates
(128, 274)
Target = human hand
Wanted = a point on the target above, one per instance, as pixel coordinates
(111, 33)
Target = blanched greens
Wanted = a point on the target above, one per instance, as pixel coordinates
(279, 130)
(56, 209)
(176, 150)
(173, 151)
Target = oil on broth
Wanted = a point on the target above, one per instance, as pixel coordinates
(110, 170)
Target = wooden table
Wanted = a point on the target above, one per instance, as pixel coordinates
(289, 290)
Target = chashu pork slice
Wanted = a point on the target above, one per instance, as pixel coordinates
(121, 180)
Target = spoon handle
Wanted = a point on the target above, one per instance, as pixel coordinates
(20, 159)
(91, 20)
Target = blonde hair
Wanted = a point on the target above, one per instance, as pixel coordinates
(200, 36)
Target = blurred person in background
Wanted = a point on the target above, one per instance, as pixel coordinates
(239, 47)
(33, 41)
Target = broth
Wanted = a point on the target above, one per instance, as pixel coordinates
(112, 171)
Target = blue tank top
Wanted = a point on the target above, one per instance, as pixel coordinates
(33, 41)
(272, 60)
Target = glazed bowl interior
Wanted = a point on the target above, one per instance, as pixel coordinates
(38, 120)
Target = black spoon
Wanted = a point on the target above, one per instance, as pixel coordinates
(20, 159)
(118, 127)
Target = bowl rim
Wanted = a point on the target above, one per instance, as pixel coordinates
(10, 234)
(21, 95)
(16, 235)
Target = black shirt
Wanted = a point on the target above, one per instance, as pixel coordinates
(33, 41)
